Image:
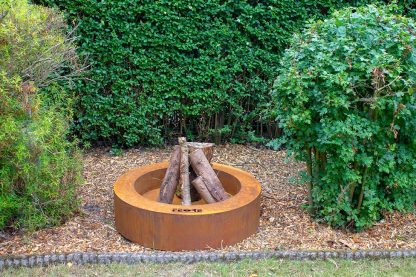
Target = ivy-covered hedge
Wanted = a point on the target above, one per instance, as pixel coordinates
(346, 99)
(200, 68)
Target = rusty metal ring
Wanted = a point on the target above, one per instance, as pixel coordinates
(176, 227)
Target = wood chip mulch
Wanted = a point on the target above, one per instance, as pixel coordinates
(284, 224)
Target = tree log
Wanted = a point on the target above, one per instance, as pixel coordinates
(202, 168)
(207, 148)
(200, 186)
(194, 193)
(170, 181)
(184, 172)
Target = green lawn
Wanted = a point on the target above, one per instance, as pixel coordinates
(268, 267)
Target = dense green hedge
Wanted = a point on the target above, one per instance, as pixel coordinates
(200, 68)
(346, 100)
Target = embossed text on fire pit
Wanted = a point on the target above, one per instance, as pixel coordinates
(187, 210)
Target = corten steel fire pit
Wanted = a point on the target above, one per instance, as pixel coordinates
(141, 219)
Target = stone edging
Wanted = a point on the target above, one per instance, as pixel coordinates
(190, 257)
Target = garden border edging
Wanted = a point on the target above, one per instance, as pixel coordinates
(80, 258)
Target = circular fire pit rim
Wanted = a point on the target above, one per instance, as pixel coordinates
(124, 189)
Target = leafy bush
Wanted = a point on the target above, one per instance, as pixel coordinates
(346, 100)
(39, 168)
(200, 68)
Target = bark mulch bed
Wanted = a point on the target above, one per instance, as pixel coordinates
(284, 224)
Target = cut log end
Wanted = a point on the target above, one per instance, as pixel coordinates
(207, 148)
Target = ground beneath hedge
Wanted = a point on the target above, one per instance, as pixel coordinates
(283, 225)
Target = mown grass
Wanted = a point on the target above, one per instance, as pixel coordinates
(267, 267)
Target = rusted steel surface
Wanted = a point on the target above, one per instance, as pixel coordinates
(141, 219)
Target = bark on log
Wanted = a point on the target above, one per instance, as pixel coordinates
(202, 168)
(194, 193)
(207, 148)
(170, 181)
(202, 189)
(184, 172)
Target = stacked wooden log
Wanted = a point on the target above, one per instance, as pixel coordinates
(190, 170)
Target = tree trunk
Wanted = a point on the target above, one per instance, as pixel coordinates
(202, 168)
(184, 172)
(170, 181)
(200, 186)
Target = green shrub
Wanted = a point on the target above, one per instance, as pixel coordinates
(346, 100)
(199, 68)
(39, 168)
